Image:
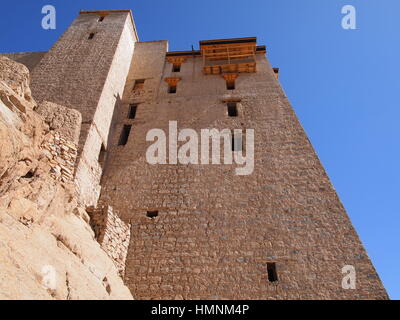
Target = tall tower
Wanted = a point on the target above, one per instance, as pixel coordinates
(86, 69)
(203, 232)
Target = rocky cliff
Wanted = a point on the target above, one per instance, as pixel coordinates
(48, 249)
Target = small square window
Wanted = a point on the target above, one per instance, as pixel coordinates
(230, 85)
(152, 214)
(176, 67)
(139, 84)
(172, 88)
(101, 19)
(91, 36)
(232, 109)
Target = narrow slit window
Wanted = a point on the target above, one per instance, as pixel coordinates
(272, 274)
(132, 111)
(102, 156)
(152, 214)
(176, 67)
(123, 139)
(139, 84)
(237, 143)
(171, 88)
(91, 36)
(230, 84)
(232, 109)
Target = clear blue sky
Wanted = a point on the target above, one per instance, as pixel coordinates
(343, 84)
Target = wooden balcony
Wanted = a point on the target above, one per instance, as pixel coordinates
(229, 55)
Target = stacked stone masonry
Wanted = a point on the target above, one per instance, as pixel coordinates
(62, 155)
(112, 234)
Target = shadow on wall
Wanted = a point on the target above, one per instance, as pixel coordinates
(103, 156)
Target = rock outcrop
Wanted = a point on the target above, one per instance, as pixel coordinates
(47, 248)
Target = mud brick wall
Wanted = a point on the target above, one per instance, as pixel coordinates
(112, 234)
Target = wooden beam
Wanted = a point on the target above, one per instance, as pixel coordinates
(172, 81)
(176, 60)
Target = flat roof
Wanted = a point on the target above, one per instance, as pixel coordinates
(228, 41)
(99, 11)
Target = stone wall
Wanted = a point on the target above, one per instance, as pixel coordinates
(60, 145)
(88, 75)
(61, 154)
(216, 231)
(89, 170)
(29, 59)
(112, 234)
(66, 121)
